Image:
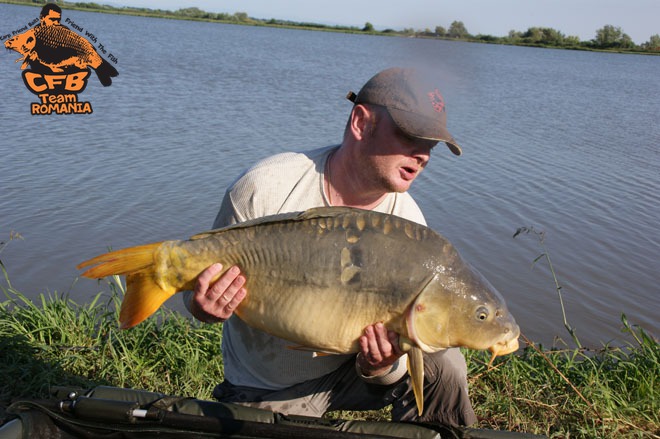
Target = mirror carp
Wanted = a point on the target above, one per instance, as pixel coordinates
(319, 277)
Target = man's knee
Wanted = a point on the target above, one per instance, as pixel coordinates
(446, 397)
(447, 366)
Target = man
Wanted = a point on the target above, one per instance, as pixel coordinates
(51, 15)
(397, 119)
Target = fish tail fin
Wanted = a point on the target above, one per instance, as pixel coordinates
(143, 298)
(105, 72)
(143, 294)
(124, 261)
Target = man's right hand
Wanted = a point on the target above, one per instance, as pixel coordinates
(217, 301)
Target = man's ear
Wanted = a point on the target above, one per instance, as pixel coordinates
(361, 119)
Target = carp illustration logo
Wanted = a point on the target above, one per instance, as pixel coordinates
(56, 63)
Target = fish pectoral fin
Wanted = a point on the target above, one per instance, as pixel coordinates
(416, 372)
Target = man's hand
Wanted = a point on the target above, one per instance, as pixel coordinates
(379, 349)
(216, 302)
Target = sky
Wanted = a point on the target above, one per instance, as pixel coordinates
(640, 19)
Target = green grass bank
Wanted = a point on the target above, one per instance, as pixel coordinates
(610, 392)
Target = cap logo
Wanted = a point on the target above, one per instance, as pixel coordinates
(436, 101)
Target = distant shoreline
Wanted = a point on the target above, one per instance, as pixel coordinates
(242, 18)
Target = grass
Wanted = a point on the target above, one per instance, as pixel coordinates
(56, 341)
(610, 392)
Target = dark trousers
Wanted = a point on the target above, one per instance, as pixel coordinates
(446, 399)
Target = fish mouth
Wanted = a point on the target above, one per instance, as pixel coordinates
(503, 348)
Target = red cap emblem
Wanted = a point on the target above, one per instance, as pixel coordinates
(436, 101)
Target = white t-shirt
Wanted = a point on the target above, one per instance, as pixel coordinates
(287, 182)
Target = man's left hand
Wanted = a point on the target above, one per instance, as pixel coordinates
(379, 349)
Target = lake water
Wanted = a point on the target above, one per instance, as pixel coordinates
(566, 142)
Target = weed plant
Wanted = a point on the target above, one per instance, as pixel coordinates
(610, 392)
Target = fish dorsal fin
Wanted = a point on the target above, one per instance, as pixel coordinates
(315, 212)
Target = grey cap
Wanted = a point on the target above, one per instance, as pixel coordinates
(415, 104)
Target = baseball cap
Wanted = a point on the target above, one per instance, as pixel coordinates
(415, 104)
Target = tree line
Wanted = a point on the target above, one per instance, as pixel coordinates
(608, 37)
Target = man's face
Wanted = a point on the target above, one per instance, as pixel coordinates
(394, 158)
(52, 18)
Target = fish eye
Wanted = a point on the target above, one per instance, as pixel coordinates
(482, 313)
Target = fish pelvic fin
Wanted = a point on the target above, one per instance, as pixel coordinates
(144, 295)
(315, 351)
(415, 365)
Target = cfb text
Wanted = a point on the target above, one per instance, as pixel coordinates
(70, 83)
